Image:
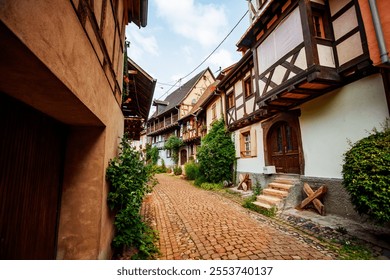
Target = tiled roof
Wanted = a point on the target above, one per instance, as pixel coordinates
(178, 95)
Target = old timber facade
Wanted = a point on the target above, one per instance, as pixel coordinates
(61, 77)
(305, 86)
(171, 118)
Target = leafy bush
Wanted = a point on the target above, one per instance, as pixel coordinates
(128, 178)
(174, 144)
(366, 175)
(177, 170)
(191, 170)
(211, 186)
(216, 155)
(152, 154)
(199, 180)
(156, 169)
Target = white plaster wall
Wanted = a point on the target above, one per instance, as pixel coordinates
(167, 161)
(218, 110)
(328, 122)
(254, 164)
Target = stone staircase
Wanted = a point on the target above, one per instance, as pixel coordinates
(275, 193)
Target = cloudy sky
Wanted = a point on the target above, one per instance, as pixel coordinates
(180, 34)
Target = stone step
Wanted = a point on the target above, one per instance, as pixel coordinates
(262, 205)
(280, 186)
(267, 199)
(276, 193)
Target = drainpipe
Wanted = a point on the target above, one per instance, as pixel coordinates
(378, 31)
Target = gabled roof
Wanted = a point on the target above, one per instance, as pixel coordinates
(181, 93)
(205, 97)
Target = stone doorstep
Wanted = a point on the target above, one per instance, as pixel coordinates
(274, 192)
(279, 186)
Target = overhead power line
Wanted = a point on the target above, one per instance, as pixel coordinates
(200, 64)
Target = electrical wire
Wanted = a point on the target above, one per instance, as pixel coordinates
(200, 64)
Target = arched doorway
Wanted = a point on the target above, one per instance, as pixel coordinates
(283, 147)
(183, 157)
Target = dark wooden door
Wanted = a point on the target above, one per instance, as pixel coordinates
(183, 157)
(31, 158)
(284, 148)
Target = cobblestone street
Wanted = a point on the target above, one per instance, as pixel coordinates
(198, 224)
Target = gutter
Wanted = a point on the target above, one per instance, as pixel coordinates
(378, 31)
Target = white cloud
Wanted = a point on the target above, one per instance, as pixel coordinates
(203, 23)
(222, 58)
(141, 43)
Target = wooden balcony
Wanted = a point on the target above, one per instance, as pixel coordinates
(161, 126)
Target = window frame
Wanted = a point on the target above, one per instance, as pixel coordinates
(245, 144)
(247, 85)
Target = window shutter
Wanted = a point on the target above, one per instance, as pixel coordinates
(237, 144)
(253, 143)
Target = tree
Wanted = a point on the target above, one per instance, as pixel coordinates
(174, 144)
(366, 175)
(216, 155)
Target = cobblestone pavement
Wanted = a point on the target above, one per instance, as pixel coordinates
(198, 224)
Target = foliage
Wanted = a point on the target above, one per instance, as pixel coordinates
(152, 154)
(211, 186)
(128, 178)
(156, 169)
(174, 144)
(366, 174)
(200, 180)
(177, 170)
(248, 203)
(217, 154)
(191, 170)
(351, 251)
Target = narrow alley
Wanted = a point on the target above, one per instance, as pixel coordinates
(198, 224)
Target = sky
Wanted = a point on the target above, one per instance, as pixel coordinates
(180, 34)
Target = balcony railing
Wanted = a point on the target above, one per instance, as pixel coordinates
(152, 127)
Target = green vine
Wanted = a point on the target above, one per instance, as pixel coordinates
(174, 144)
(128, 178)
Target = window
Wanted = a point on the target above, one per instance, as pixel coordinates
(214, 111)
(245, 144)
(230, 101)
(248, 143)
(168, 153)
(248, 87)
(320, 22)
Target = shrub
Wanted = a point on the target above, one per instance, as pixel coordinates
(177, 170)
(128, 178)
(211, 186)
(216, 155)
(366, 175)
(199, 180)
(152, 154)
(191, 170)
(174, 144)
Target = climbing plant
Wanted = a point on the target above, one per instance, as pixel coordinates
(366, 175)
(174, 144)
(216, 155)
(128, 178)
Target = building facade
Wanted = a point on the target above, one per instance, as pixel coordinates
(170, 117)
(61, 66)
(306, 86)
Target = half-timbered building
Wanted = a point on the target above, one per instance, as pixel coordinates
(170, 116)
(304, 88)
